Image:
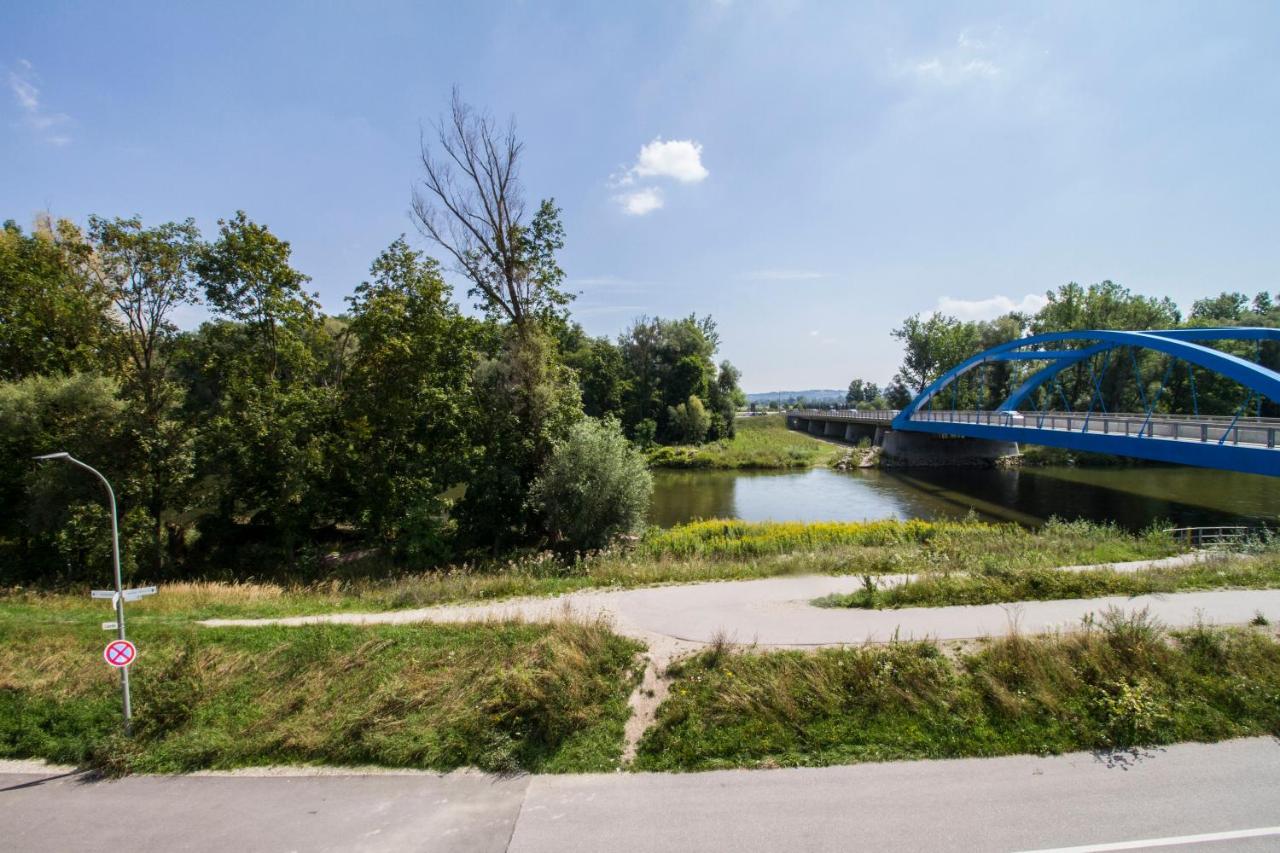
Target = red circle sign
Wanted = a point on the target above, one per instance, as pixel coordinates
(119, 653)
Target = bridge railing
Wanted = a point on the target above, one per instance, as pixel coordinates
(846, 414)
(1251, 431)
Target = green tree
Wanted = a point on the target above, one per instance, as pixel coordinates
(54, 316)
(147, 272)
(526, 400)
(45, 505)
(271, 407)
(594, 488)
(407, 403)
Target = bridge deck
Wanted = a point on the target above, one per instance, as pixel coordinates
(1211, 441)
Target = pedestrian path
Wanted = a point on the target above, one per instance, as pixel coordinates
(778, 612)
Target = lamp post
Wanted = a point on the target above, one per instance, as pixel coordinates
(115, 562)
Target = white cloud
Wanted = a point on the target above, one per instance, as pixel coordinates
(969, 59)
(783, 275)
(814, 333)
(677, 159)
(45, 124)
(680, 159)
(640, 202)
(988, 309)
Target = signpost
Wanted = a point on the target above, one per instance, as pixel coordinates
(119, 653)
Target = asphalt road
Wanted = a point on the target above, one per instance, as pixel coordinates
(1226, 794)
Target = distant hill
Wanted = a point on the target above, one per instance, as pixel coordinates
(814, 395)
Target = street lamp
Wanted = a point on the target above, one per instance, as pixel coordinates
(115, 561)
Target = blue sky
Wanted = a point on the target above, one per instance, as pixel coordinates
(824, 169)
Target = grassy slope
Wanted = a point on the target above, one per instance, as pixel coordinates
(708, 550)
(760, 442)
(501, 697)
(938, 589)
(1122, 684)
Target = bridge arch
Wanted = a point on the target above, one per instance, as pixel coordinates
(1180, 343)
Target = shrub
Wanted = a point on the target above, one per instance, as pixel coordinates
(594, 487)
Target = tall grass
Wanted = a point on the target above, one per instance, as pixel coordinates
(762, 442)
(701, 551)
(938, 589)
(501, 697)
(1121, 683)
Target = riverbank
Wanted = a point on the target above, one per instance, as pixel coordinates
(761, 442)
(700, 551)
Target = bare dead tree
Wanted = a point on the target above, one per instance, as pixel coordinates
(471, 203)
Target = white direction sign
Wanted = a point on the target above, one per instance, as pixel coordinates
(129, 594)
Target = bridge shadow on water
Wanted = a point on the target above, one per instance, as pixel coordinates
(1133, 497)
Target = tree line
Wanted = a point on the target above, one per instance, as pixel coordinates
(275, 435)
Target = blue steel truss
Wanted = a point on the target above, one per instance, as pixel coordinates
(1185, 344)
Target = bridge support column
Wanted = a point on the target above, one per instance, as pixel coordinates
(905, 449)
(878, 439)
(817, 428)
(833, 428)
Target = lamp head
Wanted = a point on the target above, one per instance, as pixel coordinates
(61, 455)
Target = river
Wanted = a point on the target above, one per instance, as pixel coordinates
(1133, 498)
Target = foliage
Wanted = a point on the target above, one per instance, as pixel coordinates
(53, 314)
(594, 488)
(688, 422)
(1120, 684)
(148, 274)
(406, 406)
(501, 697)
(526, 401)
(82, 415)
(761, 442)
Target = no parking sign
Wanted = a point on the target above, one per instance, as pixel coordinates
(119, 653)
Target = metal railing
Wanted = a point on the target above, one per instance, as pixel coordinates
(844, 414)
(1255, 432)
(1211, 537)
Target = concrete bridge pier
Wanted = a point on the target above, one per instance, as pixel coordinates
(925, 450)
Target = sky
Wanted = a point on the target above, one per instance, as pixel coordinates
(809, 174)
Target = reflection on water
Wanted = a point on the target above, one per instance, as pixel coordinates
(1131, 497)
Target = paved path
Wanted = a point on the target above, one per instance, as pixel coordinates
(1225, 792)
(777, 612)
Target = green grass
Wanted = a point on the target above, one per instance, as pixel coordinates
(701, 551)
(1120, 684)
(762, 442)
(1039, 584)
(502, 697)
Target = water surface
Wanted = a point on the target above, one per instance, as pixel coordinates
(1131, 497)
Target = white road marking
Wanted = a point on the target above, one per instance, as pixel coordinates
(1171, 841)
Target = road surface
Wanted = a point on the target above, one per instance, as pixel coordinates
(1224, 794)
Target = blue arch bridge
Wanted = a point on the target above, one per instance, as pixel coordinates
(952, 422)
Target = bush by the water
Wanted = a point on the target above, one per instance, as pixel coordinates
(594, 488)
